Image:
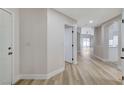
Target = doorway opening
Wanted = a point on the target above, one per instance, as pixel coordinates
(68, 44)
(86, 41)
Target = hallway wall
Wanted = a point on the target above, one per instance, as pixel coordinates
(102, 50)
(78, 38)
(98, 43)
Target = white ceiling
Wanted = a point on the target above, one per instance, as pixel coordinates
(83, 15)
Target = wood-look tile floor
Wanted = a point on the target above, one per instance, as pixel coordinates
(88, 71)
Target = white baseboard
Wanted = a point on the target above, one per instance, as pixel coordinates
(104, 60)
(42, 76)
(17, 78)
(49, 75)
(75, 62)
(33, 76)
(99, 58)
(122, 80)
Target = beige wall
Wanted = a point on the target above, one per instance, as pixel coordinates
(33, 31)
(42, 42)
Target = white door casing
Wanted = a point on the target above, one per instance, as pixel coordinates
(5, 47)
(122, 44)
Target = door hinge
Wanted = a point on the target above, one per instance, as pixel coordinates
(122, 20)
(122, 57)
(72, 59)
(72, 45)
(122, 77)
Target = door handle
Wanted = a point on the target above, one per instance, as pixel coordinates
(10, 53)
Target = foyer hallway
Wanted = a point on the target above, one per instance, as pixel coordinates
(88, 71)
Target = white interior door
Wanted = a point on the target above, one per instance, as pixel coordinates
(68, 44)
(5, 47)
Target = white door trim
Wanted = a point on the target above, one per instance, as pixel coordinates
(13, 45)
(74, 42)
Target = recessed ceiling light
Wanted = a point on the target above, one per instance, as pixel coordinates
(91, 21)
